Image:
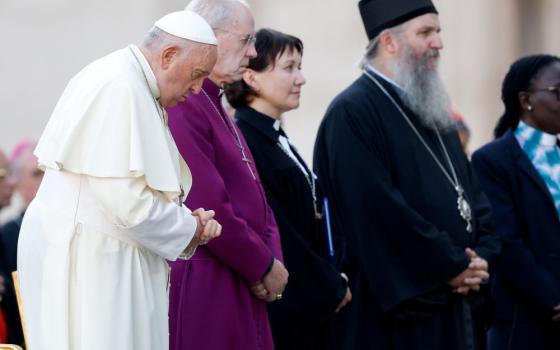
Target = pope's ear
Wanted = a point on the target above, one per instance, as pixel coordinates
(168, 55)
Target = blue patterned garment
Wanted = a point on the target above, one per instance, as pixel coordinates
(542, 150)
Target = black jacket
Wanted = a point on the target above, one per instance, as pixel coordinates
(315, 286)
(527, 282)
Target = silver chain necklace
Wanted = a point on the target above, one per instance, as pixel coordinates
(310, 181)
(462, 204)
(237, 139)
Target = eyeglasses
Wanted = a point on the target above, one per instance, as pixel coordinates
(554, 89)
(246, 39)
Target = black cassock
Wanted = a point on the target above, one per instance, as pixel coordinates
(398, 213)
(301, 318)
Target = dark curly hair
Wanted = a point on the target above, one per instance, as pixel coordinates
(270, 45)
(518, 79)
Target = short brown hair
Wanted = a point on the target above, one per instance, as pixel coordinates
(270, 45)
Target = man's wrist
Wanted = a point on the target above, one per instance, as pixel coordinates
(269, 268)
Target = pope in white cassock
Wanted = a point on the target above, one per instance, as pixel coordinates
(93, 243)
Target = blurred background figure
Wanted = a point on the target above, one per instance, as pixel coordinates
(5, 186)
(25, 174)
(25, 178)
(463, 130)
(520, 173)
(3, 325)
(5, 194)
(270, 87)
(22, 165)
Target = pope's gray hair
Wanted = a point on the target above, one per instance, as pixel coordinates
(157, 39)
(218, 13)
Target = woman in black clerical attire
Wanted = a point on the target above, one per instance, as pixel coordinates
(316, 289)
(520, 173)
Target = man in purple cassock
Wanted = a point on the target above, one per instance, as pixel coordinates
(218, 297)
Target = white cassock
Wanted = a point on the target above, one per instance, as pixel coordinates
(93, 243)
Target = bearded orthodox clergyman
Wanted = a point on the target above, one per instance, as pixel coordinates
(402, 193)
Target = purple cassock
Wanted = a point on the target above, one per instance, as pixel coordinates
(211, 306)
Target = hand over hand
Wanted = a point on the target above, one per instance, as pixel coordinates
(557, 315)
(345, 301)
(259, 290)
(275, 281)
(477, 263)
(473, 276)
(207, 228)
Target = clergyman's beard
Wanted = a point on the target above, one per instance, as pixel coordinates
(422, 89)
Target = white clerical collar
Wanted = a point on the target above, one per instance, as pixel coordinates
(148, 72)
(381, 75)
(277, 124)
(529, 133)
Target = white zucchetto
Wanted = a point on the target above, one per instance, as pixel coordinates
(187, 25)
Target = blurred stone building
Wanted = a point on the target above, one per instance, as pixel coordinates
(46, 42)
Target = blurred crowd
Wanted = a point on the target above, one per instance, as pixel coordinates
(19, 180)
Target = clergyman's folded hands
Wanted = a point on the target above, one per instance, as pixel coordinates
(473, 276)
(272, 285)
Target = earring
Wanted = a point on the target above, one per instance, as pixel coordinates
(529, 108)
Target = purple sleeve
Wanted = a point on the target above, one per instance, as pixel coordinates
(272, 235)
(239, 247)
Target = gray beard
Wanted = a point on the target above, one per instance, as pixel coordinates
(422, 90)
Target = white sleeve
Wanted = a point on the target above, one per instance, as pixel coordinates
(155, 223)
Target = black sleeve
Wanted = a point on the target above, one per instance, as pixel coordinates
(319, 285)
